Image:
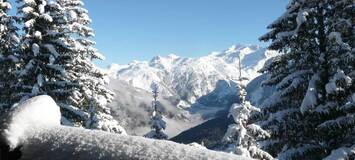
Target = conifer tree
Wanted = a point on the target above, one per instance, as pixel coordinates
(157, 123)
(42, 72)
(57, 54)
(242, 136)
(337, 125)
(8, 55)
(304, 76)
(90, 95)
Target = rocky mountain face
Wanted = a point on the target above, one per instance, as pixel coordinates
(190, 78)
(192, 90)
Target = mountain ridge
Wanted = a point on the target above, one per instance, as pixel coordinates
(191, 78)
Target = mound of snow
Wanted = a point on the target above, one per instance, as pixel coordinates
(61, 143)
(30, 116)
(35, 126)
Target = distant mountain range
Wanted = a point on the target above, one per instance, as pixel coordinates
(191, 78)
(193, 90)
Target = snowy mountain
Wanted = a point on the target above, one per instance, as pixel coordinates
(190, 78)
(211, 132)
(193, 90)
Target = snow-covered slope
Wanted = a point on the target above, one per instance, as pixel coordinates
(190, 78)
(193, 90)
(35, 127)
(131, 107)
(212, 131)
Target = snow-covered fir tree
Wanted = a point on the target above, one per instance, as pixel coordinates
(157, 124)
(42, 57)
(57, 54)
(242, 136)
(91, 94)
(8, 55)
(337, 110)
(314, 80)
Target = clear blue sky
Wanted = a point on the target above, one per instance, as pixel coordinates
(129, 30)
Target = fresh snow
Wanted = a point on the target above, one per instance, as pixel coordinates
(301, 18)
(27, 10)
(52, 50)
(337, 37)
(36, 113)
(35, 49)
(35, 126)
(341, 153)
(29, 23)
(310, 100)
(59, 143)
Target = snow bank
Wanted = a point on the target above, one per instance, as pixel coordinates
(73, 143)
(32, 115)
(35, 126)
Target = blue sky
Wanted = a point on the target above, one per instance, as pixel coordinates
(129, 30)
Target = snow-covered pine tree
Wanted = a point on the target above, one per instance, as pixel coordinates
(303, 76)
(157, 124)
(242, 136)
(42, 70)
(337, 127)
(90, 97)
(57, 57)
(8, 55)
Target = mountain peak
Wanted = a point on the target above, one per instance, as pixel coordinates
(173, 56)
(239, 47)
(164, 58)
(190, 78)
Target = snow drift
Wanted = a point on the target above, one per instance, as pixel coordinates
(35, 127)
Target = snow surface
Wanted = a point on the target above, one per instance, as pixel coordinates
(59, 143)
(35, 126)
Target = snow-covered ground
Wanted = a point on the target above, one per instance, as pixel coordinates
(35, 126)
